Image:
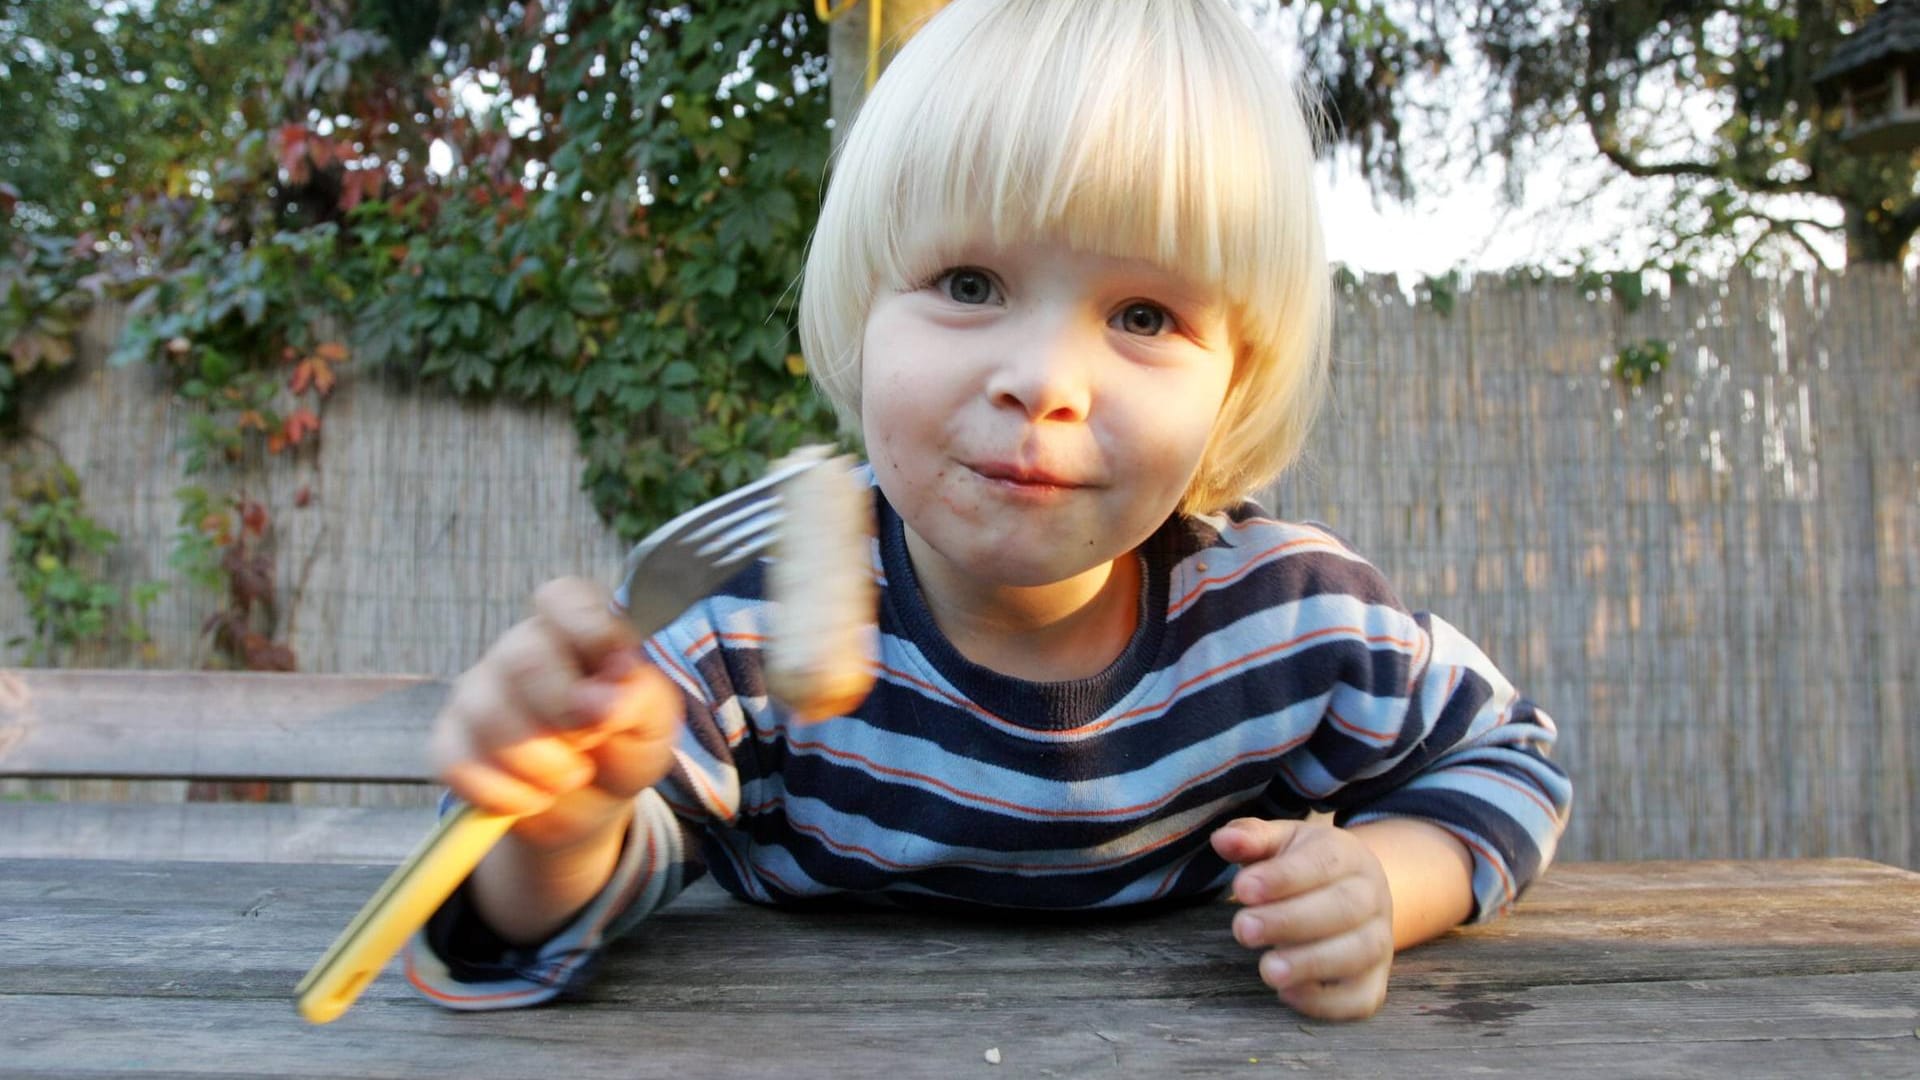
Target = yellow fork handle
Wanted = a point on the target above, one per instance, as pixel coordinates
(409, 896)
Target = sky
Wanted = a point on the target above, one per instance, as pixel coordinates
(1463, 229)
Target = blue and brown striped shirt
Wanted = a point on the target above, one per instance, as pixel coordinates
(1273, 673)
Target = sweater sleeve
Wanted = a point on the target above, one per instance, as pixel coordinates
(1420, 724)
(1479, 770)
(457, 961)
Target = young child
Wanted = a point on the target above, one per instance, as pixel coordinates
(1068, 280)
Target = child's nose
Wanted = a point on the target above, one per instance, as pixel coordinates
(1045, 376)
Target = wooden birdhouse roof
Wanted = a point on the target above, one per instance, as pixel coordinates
(1892, 33)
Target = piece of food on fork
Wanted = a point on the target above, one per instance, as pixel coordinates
(825, 604)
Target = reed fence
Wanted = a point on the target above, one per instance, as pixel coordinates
(1711, 581)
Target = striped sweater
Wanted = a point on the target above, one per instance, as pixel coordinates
(1273, 673)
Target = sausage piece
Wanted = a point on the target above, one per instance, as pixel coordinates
(825, 605)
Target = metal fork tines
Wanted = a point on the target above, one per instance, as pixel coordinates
(690, 556)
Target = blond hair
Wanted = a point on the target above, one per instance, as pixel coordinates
(1149, 129)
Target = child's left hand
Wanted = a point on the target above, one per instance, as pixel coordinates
(1317, 901)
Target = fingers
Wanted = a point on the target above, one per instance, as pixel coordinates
(1318, 905)
(1245, 840)
(491, 789)
(494, 753)
(531, 671)
(577, 613)
(1343, 977)
(1348, 999)
(1279, 859)
(1314, 916)
(643, 718)
(559, 703)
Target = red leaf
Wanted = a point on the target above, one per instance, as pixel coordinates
(351, 191)
(315, 373)
(264, 655)
(320, 149)
(300, 425)
(254, 517)
(293, 152)
(302, 497)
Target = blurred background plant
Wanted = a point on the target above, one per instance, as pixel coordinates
(56, 561)
(596, 205)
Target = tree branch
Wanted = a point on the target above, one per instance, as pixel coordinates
(1603, 125)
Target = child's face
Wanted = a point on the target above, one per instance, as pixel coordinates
(1035, 411)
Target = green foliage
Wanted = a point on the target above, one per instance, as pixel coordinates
(108, 103)
(1442, 291)
(1638, 363)
(222, 543)
(44, 293)
(1360, 61)
(55, 561)
(619, 231)
(645, 278)
(1629, 287)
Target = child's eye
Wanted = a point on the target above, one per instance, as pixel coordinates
(1142, 318)
(966, 286)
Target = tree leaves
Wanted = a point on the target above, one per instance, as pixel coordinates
(591, 246)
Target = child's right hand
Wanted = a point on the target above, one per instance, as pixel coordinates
(561, 721)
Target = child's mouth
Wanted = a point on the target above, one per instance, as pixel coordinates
(1024, 480)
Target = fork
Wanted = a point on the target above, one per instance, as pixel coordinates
(690, 556)
(664, 574)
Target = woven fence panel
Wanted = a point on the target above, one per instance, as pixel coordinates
(1711, 582)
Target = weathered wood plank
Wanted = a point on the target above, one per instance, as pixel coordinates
(212, 832)
(216, 726)
(1857, 1027)
(157, 969)
(157, 922)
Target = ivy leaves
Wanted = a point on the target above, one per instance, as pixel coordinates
(613, 224)
(641, 271)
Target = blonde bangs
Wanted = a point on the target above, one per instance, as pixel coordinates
(1153, 129)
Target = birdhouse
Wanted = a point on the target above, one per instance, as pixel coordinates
(1874, 74)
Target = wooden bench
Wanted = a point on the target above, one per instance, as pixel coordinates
(300, 732)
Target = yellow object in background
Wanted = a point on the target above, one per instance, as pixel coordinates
(875, 23)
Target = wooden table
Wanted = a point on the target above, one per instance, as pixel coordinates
(1802, 969)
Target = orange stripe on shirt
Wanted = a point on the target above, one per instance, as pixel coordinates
(1252, 564)
(1258, 654)
(1489, 774)
(1352, 728)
